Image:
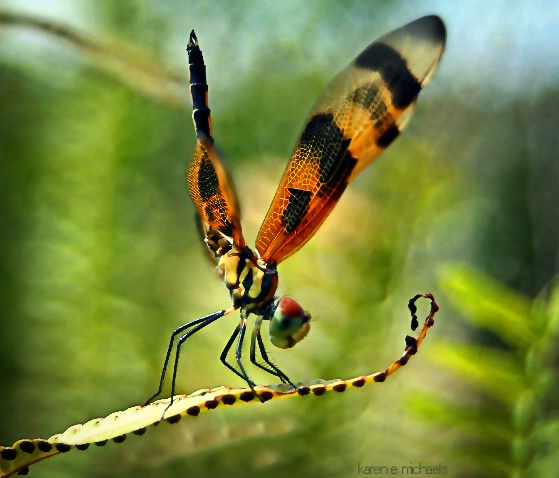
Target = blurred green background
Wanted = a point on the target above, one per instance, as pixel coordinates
(100, 259)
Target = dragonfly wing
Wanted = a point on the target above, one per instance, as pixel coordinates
(213, 194)
(359, 115)
(209, 183)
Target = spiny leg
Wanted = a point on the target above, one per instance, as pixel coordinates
(256, 336)
(264, 355)
(181, 341)
(238, 330)
(242, 330)
(208, 320)
(227, 348)
(274, 370)
(176, 332)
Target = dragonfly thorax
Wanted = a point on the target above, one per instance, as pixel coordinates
(251, 284)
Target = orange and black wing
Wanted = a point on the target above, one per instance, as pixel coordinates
(359, 114)
(209, 184)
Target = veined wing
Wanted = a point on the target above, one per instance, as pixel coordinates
(211, 190)
(209, 184)
(359, 115)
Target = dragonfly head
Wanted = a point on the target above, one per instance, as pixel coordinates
(289, 323)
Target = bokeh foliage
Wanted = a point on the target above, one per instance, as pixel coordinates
(100, 260)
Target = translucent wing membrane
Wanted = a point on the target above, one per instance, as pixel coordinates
(209, 184)
(360, 114)
(213, 195)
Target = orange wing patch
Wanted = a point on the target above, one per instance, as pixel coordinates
(209, 184)
(360, 114)
(213, 195)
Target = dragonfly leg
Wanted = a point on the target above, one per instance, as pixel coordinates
(228, 345)
(176, 332)
(198, 324)
(242, 329)
(273, 370)
(225, 353)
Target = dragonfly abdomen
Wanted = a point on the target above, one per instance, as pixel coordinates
(198, 88)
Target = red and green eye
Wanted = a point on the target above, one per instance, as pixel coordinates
(289, 323)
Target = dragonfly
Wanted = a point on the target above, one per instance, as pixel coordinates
(360, 113)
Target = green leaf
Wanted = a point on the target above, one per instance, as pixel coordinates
(488, 304)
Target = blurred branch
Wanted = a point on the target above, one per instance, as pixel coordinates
(127, 63)
(24, 453)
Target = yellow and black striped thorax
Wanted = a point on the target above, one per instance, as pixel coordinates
(251, 285)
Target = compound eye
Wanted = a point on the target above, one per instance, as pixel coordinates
(289, 324)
